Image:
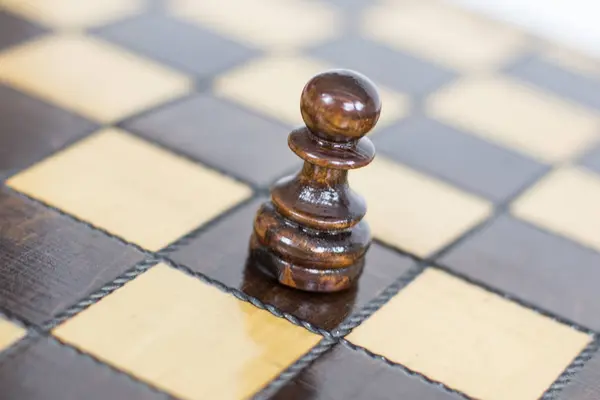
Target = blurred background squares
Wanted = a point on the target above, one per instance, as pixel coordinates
(518, 116)
(15, 30)
(443, 34)
(591, 159)
(182, 45)
(93, 78)
(272, 86)
(399, 71)
(73, 14)
(469, 162)
(271, 25)
(549, 76)
(566, 203)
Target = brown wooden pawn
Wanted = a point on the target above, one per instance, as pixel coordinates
(311, 235)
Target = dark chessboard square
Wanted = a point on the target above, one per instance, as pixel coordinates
(585, 384)
(475, 165)
(228, 264)
(591, 160)
(538, 267)
(177, 43)
(14, 30)
(397, 70)
(49, 262)
(352, 8)
(45, 370)
(31, 129)
(564, 83)
(222, 135)
(344, 373)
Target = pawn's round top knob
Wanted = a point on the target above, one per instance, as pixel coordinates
(340, 105)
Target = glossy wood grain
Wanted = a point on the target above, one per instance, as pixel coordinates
(231, 266)
(340, 105)
(310, 235)
(49, 262)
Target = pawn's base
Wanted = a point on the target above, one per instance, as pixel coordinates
(315, 279)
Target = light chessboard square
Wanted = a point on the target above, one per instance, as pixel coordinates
(130, 188)
(186, 337)
(469, 339)
(565, 202)
(73, 14)
(518, 116)
(571, 59)
(273, 85)
(271, 25)
(9, 333)
(442, 34)
(414, 211)
(90, 77)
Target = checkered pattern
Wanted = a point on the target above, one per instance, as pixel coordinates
(137, 139)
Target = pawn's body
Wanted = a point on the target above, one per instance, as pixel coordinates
(311, 234)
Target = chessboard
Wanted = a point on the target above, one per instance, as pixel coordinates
(139, 137)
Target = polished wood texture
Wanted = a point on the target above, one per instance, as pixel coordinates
(165, 319)
(229, 265)
(311, 234)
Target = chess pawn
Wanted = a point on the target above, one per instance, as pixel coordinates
(311, 234)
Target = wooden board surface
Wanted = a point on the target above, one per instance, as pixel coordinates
(138, 138)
